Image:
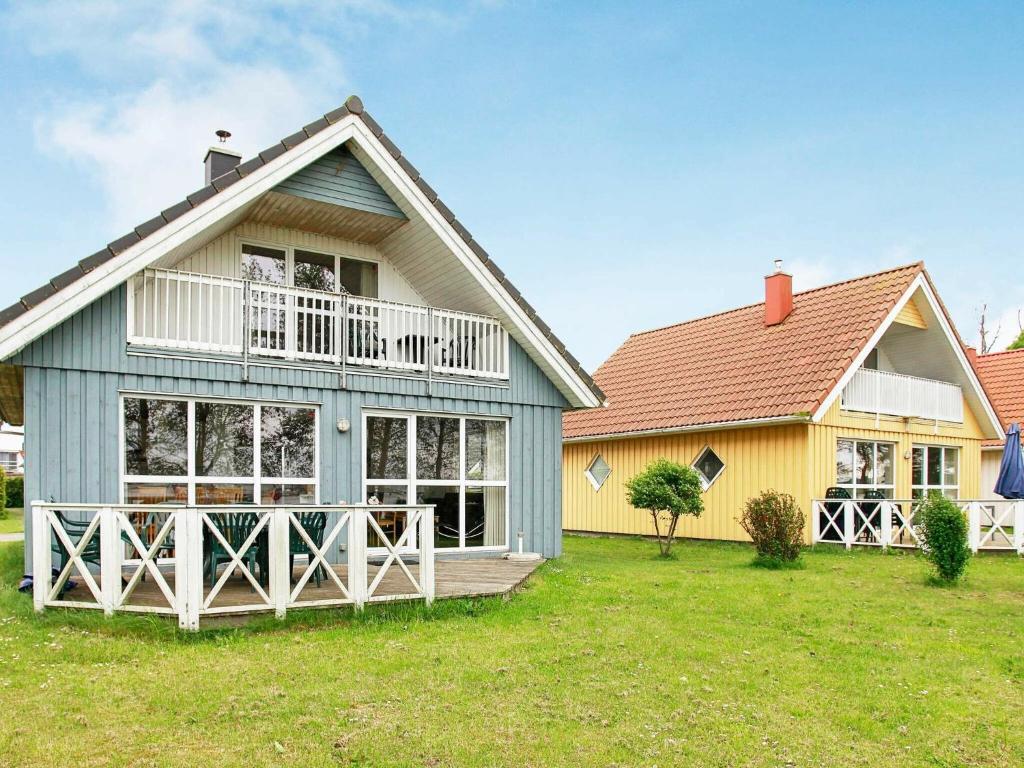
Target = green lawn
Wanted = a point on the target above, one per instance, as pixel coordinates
(610, 658)
(14, 522)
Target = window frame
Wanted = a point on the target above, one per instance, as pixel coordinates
(853, 486)
(943, 486)
(704, 481)
(289, 250)
(191, 480)
(589, 471)
(411, 482)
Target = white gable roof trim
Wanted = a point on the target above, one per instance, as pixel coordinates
(922, 283)
(187, 221)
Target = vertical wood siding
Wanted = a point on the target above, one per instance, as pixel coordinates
(798, 459)
(74, 373)
(340, 179)
(755, 459)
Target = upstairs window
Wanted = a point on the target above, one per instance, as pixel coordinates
(708, 466)
(308, 270)
(598, 472)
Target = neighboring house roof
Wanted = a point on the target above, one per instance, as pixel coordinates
(731, 368)
(45, 307)
(1002, 373)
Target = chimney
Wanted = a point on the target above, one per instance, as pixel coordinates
(778, 295)
(219, 159)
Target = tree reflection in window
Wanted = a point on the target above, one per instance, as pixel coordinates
(386, 448)
(287, 441)
(224, 444)
(156, 437)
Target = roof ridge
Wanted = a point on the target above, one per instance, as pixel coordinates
(1000, 352)
(918, 265)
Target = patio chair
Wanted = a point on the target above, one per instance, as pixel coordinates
(75, 529)
(873, 513)
(314, 523)
(236, 527)
(834, 511)
(461, 352)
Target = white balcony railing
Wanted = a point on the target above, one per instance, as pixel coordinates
(896, 394)
(208, 313)
(992, 524)
(196, 562)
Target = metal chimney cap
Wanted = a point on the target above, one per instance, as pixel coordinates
(223, 135)
(778, 265)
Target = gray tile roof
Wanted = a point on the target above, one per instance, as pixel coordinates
(352, 106)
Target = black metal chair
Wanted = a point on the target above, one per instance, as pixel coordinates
(832, 512)
(872, 512)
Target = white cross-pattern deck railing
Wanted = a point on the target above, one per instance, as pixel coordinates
(211, 560)
(896, 394)
(992, 524)
(169, 309)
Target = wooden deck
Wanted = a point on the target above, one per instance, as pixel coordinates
(475, 577)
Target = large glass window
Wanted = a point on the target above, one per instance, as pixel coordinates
(865, 468)
(311, 270)
(936, 469)
(458, 464)
(264, 265)
(207, 452)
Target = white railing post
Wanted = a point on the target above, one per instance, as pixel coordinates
(973, 525)
(42, 556)
(357, 566)
(848, 523)
(427, 553)
(1018, 526)
(110, 560)
(279, 560)
(188, 566)
(816, 511)
(886, 523)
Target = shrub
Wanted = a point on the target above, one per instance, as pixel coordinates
(15, 492)
(3, 489)
(943, 530)
(775, 524)
(666, 490)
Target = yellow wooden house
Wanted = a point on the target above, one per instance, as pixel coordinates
(859, 390)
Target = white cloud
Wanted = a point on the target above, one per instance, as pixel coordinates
(165, 76)
(810, 274)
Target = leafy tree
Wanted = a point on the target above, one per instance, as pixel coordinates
(666, 490)
(943, 528)
(1018, 343)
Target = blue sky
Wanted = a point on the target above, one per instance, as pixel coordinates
(628, 166)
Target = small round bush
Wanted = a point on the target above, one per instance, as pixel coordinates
(666, 488)
(943, 530)
(775, 524)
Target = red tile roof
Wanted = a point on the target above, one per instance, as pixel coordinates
(1002, 373)
(731, 367)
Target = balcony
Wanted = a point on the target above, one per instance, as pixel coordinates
(896, 394)
(175, 310)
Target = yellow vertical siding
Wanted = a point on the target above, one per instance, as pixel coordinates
(799, 459)
(911, 315)
(755, 459)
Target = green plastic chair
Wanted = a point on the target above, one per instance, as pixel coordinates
(75, 530)
(314, 523)
(235, 527)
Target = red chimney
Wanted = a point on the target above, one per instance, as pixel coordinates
(778, 295)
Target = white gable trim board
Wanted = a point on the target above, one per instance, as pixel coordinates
(919, 283)
(186, 233)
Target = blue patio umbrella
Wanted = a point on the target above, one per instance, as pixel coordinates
(1010, 484)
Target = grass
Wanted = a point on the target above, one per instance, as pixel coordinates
(14, 522)
(611, 657)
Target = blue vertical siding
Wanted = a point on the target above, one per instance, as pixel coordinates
(74, 374)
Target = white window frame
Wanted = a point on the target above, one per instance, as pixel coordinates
(411, 482)
(191, 479)
(589, 472)
(289, 260)
(705, 482)
(854, 486)
(926, 486)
